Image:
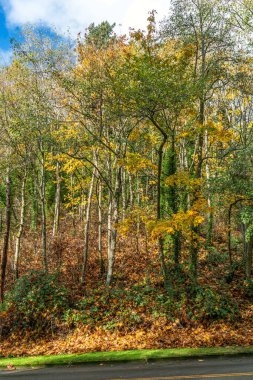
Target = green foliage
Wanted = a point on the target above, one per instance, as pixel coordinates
(36, 301)
(248, 286)
(215, 257)
(100, 35)
(210, 305)
(113, 309)
(187, 302)
(121, 308)
(2, 195)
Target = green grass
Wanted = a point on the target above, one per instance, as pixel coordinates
(123, 356)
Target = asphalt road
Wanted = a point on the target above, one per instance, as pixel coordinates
(239, 367)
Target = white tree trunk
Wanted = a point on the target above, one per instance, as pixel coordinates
(20, 230)
(43, 208)
(57, 201)
(87, 227)
(123, 180)
(113, 217)
(100, 226)
(131, 191)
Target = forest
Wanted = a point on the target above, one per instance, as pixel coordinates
(126, 166)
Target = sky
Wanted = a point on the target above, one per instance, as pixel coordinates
(73, 16)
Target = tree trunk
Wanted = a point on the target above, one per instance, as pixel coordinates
(195, 229)
(209, 239)
(99, 193)
(172, 194)
(1, 221)
(7, 234)
(123, 194)
(43, 208)
(131, 192)
(20, 230)
(248, 253)
(138, 217)
(87, 227)
(113, 217)
(34, 195)
(72, 206)
(57, 201)
(158, 210)
(100, 226)
(244, 243)
(229, 235)
(248, 262)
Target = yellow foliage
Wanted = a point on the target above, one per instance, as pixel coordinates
(181, 221)
(71, 165)
(183, 134)
(135, 162)
(217, 133)
(183, 178)
(137, 215)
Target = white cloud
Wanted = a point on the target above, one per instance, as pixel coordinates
(137, 12)
(76, 15)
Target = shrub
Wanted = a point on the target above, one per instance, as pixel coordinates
(248, 286)
(210, 305)
(196, 302)
(215, 257)
(36, 301)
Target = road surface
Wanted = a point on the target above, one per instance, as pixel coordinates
(239, 367)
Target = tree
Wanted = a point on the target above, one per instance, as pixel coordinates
(205, 26)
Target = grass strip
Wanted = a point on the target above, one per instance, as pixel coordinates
(113, 356)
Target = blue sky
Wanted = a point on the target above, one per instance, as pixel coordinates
(4, 35)
(73, 16)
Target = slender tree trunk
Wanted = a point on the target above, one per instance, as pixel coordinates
(172, 200)
(248, 261)
(153, 188)
(131, 191)
(195, 229)
(123, 182)
(113, 217)
(100, 226)
(87, 227)
(100, 215)
(229, 235)
(1, 221)
(198, 172)
(109, 212)
(209, 239)
(147, 186)
(200, 139)
(57, 201)
(20, 230)
(109, 231)
(7, 235)
(244, 252)
(72, 206)
(185, 167)
(138, 218)
(34, 195)
(112, 246)
(43, 209)
(158, 210)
